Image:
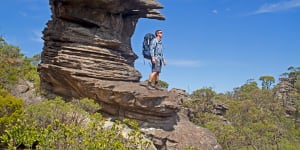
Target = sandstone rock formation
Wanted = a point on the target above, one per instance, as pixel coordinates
(284, 94)
(285, 88)
(87, 53)
(25, 90)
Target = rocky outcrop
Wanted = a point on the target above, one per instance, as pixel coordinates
(184, 136)
(284, 91)
(87, 53)
(26, 91)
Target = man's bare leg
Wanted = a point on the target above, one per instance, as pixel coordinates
(152, 76)
(156, 79)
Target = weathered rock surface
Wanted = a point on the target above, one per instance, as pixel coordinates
(184, 134)
(87, 53)
(26, 91)
(284, 94)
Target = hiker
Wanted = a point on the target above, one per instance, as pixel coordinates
(157, 58)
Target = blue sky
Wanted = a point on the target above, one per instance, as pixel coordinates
(219, 44)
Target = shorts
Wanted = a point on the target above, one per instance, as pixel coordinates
(157, 66)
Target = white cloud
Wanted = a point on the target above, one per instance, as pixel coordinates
(215, 11)
(280, 6)
(185, 63)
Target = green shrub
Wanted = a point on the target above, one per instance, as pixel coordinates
(28, 70)
(13, 66)
(56, 124)
(10, 109)
(255, 119)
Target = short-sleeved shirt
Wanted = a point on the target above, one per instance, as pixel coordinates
(156, 50)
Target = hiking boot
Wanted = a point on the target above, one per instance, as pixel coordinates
(158, 88)
(149, 86)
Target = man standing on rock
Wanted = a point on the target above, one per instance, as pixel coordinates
(157, 58)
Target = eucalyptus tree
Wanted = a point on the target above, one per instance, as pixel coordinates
(267, 82)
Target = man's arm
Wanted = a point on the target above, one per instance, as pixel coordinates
(164, 60)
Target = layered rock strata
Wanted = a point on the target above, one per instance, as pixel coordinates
(87, 53)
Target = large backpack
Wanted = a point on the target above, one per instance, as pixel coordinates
(146, 45)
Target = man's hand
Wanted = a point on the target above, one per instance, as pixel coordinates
(153, 60)
(165, 62)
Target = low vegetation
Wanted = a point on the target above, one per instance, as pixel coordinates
(249, 118)
(54, 123)
(252, 118)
